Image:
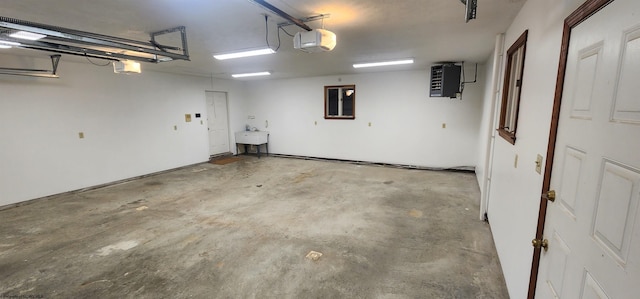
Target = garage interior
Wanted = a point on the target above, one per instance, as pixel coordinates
(129, 162)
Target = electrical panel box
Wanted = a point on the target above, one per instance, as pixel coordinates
(445, 80)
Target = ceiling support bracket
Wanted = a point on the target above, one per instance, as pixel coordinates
(55, 60)
(306, 20)
(284, 15)
(81, 43)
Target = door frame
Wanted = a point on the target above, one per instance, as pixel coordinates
(586, 10)
(228, 120)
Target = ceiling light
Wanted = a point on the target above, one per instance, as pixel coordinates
(3, 46)
(244, 54)
(384, 63)
(8, 43)
(27, 35)
(251, 74)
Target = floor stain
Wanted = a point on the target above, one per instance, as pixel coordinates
(135, 202)
(124, 245)
(415, 213)
(301, 177)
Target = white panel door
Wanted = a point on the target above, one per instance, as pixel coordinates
(593, 227)
(217, 119)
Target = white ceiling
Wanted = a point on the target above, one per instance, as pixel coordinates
(429, 31)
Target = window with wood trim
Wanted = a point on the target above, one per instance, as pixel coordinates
(511, 89)
(340, 102)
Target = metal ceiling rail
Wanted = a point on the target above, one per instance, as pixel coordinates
(76, 42)
(305, 20)
(55, 59)
(282, 14)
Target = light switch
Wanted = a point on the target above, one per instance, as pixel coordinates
(187, 118)
(444, 125)
(515, 162)
(539, 164)
(175, 128)
(81, 135)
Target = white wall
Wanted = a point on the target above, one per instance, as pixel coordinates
(515, 191)
(128, 122)
(406, 125)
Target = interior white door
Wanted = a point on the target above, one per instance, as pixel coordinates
(593, 227)
(217, 120)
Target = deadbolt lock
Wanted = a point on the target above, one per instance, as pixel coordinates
(551, 195)
(537, 243)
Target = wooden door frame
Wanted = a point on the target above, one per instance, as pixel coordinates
(583, 12)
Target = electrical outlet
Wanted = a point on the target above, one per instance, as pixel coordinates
(315, 123)
(187, 118)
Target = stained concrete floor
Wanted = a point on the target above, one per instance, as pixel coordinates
(242, 230)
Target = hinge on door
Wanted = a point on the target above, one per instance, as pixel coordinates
(537, 243)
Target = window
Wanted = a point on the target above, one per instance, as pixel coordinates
(340, 102)
(511, 89)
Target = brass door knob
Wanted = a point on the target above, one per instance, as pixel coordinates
(537, 243)
(551, 195)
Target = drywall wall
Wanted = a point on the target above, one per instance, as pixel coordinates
(127, 122)
(515, 188)
(396, 120)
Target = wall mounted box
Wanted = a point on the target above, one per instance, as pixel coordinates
(445, 80)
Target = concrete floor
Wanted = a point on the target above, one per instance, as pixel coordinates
(242, 230)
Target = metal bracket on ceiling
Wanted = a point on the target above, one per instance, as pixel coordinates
(75, 42)
(55, 60)
(306, 20)
(295, 21)
(471, 7)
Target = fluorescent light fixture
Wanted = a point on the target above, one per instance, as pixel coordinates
(8, 43)
(244, 54)
(251, 74)
(384, 63)
(27, 35)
